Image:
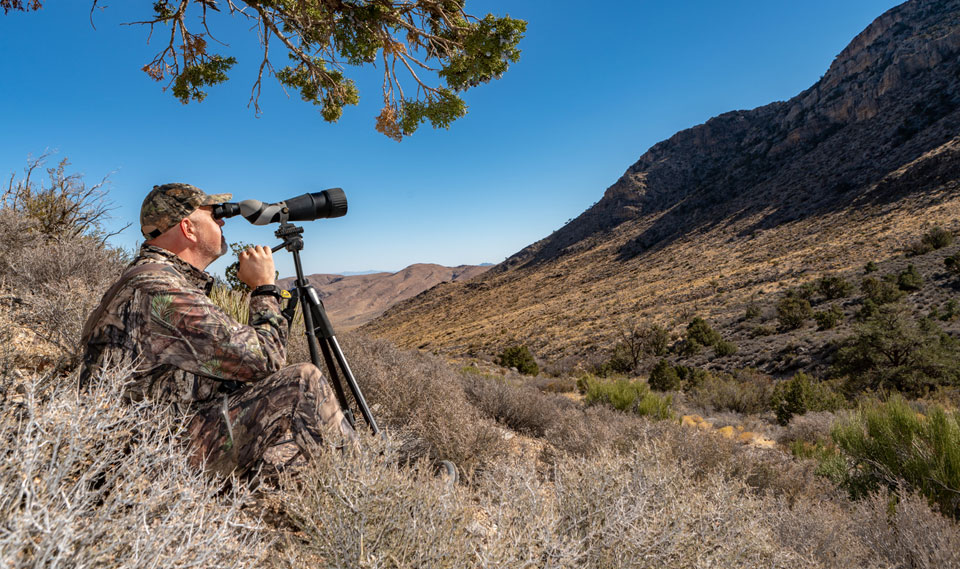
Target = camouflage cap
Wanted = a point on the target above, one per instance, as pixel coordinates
(166, 205)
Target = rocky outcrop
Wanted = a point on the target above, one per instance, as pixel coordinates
(888, 98)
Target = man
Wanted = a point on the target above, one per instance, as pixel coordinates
(184, 350)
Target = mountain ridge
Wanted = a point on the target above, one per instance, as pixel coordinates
(352, 300)
(870, 148)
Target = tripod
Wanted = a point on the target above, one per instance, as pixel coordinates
(320, 336)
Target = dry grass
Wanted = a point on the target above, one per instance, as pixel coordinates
(87, 482)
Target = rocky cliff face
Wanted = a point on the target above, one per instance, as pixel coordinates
(888, 98)
(847, 171)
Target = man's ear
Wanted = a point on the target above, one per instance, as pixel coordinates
(188, 229)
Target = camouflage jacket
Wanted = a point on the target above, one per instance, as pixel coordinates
(183, 349)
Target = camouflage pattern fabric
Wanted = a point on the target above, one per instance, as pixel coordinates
(166, 205)
(231, 437)
(186, 352)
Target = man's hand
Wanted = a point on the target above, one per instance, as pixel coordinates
(256, 267)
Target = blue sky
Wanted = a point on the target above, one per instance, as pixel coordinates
(594, 89)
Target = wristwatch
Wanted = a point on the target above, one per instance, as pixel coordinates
(271, 289)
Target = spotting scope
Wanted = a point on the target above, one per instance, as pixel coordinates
(318, 205)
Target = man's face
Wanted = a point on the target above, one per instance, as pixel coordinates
(210, 240)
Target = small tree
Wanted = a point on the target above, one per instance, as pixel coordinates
(909, 279)
(881, 291)
(519, 357)
(230, 273)
(700, 332)
(937, 238)
(893, 350)
(827, 319)
(792, 311)
(664, 377)
(834, 287)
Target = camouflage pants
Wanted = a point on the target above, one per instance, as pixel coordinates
(232, 435)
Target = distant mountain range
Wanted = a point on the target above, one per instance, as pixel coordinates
(722, 214)
(351, 300)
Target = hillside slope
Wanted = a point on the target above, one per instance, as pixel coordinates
(850, 170)
(355, 299)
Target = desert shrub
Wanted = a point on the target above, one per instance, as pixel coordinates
(892, 350)
(889, 444)
(805, 291)
(870, 267)
(664, 377)
(688, 347)
(519, 357)
(690, 376)
(630, 396)
(800, 394)
(744, 392)
(834, 287)
(621, 361)
(880, 291)
(792, 311)
(724, 348)
(556, 384)
(657, 340)
(918, 248)
(420, 398)
(951, 310)
(909, 279)
(938, 237)
(700, 332)
(90, 482)
(753, 311)
(953, 263)
(812, 427)
(827, 319)
(762, 330)
(63, 208)
(523, 409)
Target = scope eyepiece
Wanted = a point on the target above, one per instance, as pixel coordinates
(224, 210)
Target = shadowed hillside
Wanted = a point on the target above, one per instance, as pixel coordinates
(851, 169)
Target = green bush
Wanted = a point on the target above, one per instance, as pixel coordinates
(951, 311)
(881, 291)
(800, 394)
(870, 267)
(520, 358)
(700, 332)
(834, 287)
(792, 311)
(937, 238)
(827, 319)
(909, 279)
(690, 377)
(889, 444)
(688, 348)
(629, 396)
(752, 312)
(762, 330)
(724, 348)
(664, 377)
(953, 263)
(894, 350)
